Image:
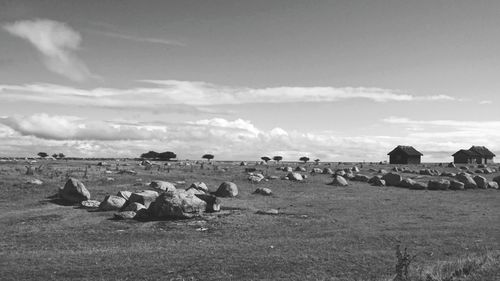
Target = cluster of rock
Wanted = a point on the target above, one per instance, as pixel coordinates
(165, 202)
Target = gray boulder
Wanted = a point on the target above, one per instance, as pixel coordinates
(467, 180)
(201, 186)
(493, 185)
(406, 183)
(295, 176)
(497, 179)
(125, 215)
(74, 191)
(145, 197)
(392, 179)
(419, 186)
(112, 203)
(438, 184)
(362, 178)
(377, 181)
(456, 185)
(328, 171)
(176, 205)
(481, 182)
(339, 181)
(162, 185)
(124, 194)
(213, 203)
(134, 206)
(263, 191)
(91, 204)
(227, 189)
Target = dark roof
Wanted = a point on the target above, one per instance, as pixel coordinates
(408, 150)
(468, 153)
(482, 151)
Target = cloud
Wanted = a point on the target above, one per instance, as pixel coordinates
(198, 95)
(485, 102)
(141, 39)
(57, 42)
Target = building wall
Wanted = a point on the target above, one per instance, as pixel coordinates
(461, 159)
(403, 159)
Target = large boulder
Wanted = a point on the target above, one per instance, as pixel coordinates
(493, 185)
(134, 206)
(328, 171)
(227, 189)
(355, 169)
(467, 180)
(419, 186)
(145, 197)
(300, 169)
(339, 181)
(124, 194)
(456, 185)
(255, 179)
(497, 179)
(201, 186)
(162, 185)
(125, 215)
(213, 203)
(438, 184)
(263, 191)
(481, 182)
(377, 181)
(392, 179)
(112, 203)
(316, 171)
(295, 176)
(176, 205)
(406, 183)
(74, 191)
(362, 178)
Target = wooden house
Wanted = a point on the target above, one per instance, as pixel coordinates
(404, 155)
(474, 155)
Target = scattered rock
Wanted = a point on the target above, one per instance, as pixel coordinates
(392, 179)
(295, 176)
(456, 185)
(34, 182)
(419, 186)
(493, 185)
(339, 181)
(263, 191)
(112, 202)
(213, 203)
(125, 215)
(452, 165)
(74, 191)
(438, 184)
(162, 185)
(328, 171)
(467, 180)
(406, 183)
(382, 171)
(176, 205)
(377, 181)
(355, 169)
(201, 186)
(124, 194)
(362, 178)
(268, 212)
(227, 189)
(145, 197)
(481, 182)
(134, 206)
(90, 204)
(316, 171)
(288, 169)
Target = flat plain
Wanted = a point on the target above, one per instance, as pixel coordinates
(322, 232)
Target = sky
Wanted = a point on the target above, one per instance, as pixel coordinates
(334, 80)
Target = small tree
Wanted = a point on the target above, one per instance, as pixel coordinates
(167, 155)
(265, 159)
(304, 159)
(208, 157)
(278, 158)
(42, 154)
(55, 155)
(150, 155)
(316, 161)
(60, 156)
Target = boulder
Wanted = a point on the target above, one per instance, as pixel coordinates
(481, 182)
(213, 203)
(362, 178)
(493, 185)
(487, 171)
(90, 204)
(263, 191)
(456, 185)
(497, 179)
(201, 186)
(145, 197)
(300, 169)
(34, 182)
(273, 177)
(124, 194)
(467, 180)
(74, 191)
(243, 163)
(382, 171)
(392, 179)
(288, 169)
(268, 212)
(112, 203)
(176, 205)
(162, 185)
(349, 176)
(295, 176)
(227, 189)
(125, 215)
(340, 173)
(452, 165)
(316, 171)
(255, 179)
(355, 169)
(438, 184)
(328, 171)
(377, 181)
(419, 186)
(406, 183)
(339, 181)
(134, 206)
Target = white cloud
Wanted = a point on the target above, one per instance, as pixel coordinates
(196, 96)
(57, 42)
(141, 39)
(485, 102)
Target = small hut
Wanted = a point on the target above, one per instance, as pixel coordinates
(475, 154)
(404, 155)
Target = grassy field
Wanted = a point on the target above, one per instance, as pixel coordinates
(323, 232)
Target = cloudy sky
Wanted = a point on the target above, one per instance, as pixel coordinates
(335, 80)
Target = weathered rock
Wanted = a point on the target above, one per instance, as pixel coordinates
(227, 189)
(362, 178)
(493, 185)
(34, 182)
(456, 185)
(213, 203)
(419, 186)
(90, 204)
(273, 177)
(392, 179)
(263, 191)
(372, 179)
(268, 212)
(377, 181)
(339, 181)
(288, 169)
(467, 180)
(124, 194)
(406, 183)
(112, 202)
(497, 179)
(295, 176)
(125, 215)
(349, 176)
(382, 171)
(487, 171)
(162, 185)
(438, 184)
(255, 179)
(145, 197)
(176, 205)
(201, 186)
(74, 191)
(355, 169)
(316, 171)
(340, 173)
(243, 163)
(451, 165)
(481, 182)
(328, 171)
(300, 169)
(134, 206)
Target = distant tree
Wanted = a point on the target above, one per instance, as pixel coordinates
(278, 158)
(167, 155)
(265, 159)
(316, 161)
(304, 159)
(150, 155)
(42, 154)
(60, 156)
(55, 155)
(208, 157)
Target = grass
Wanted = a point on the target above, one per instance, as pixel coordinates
(322, 232)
